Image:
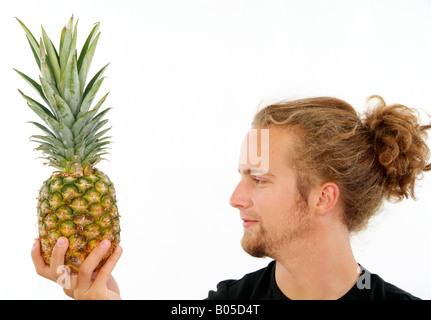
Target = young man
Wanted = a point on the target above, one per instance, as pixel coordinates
(322, 173)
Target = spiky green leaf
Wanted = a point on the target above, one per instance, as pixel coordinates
(87, 44)
(68, 66)
(98, 136)
(51, 140)
(54, 152)
(52, 162)
(70, 153)
(64, 111)
(86, 102)
(95, 78)
(72, 88)
(82, 121)
(37, 105)
(66, 40)
(95, 154)
(96, 128)
(43, 128)
(68, 143)
(64, 132)
(90, 129)
(49, 91)
(52, 56)
(32, 41)
(34, 84)
(44, 68)
(86, 63)
(35, 54)
(80, 149)
(95, 146)
(50, 121)
(82, 118)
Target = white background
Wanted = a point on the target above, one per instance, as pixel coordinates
(185, 80)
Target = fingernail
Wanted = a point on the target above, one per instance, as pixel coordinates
(35, 244)
(60, 242)
(105, 243)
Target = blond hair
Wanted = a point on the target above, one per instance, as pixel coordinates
(371, 159)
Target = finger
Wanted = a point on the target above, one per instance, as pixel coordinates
(57, 257)
(104, 273)
(41, 267)
(90, 263)
(70, 288)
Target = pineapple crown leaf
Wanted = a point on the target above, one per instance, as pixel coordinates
(32, 41)
(72, 137)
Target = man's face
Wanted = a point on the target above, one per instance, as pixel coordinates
(274, 215)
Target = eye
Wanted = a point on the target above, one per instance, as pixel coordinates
(258, 181)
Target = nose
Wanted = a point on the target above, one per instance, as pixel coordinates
(239, 198)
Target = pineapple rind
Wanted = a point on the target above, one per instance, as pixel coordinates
(81, 208)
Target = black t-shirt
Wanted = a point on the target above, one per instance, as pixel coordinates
(261, 285)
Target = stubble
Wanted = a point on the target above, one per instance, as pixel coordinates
(260, 241)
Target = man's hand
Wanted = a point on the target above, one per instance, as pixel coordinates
(87, 284)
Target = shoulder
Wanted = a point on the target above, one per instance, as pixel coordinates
(371, 286)
(254, 285)
(382, 290)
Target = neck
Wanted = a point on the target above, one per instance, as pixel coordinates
(322, 266)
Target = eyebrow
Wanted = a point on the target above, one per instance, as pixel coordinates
(248, 172)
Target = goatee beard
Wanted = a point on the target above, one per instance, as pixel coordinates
(256, 242)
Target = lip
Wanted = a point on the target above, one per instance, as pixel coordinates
(248, 222)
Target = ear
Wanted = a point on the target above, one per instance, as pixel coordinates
(325, 198)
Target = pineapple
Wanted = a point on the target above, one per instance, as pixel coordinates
(78, 201)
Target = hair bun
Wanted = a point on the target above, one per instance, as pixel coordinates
(399, 143)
